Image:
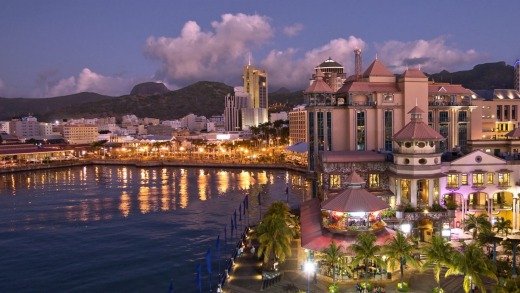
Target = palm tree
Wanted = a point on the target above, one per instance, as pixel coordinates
(332, 255)
(477, 223)
(488, 237)
(472, 263)
(275, 234)
(364, 250)
(438, 254)
(503, 226)
(399, 249)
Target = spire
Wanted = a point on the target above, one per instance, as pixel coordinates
(249, 63)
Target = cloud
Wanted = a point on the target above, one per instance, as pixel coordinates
(89, 81)
(292, 30)
(431, 55)
(285, 70)
(219, 54)
(208, 55)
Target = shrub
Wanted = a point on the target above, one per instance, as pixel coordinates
(451, 205)
(402, 287)
(333, 288)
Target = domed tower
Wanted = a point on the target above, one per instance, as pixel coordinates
(415, 172)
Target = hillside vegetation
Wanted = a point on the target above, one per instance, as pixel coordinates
(206, 98)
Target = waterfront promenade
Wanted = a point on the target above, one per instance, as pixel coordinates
(153, 163)
(246, 278)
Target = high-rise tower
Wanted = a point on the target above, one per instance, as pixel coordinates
(255, 84)
(517, 74)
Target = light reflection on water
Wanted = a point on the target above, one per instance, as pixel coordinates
(73, 230)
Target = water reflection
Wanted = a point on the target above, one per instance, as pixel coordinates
(98, 193)
(124, 205)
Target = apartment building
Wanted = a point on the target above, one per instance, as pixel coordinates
(80, 134)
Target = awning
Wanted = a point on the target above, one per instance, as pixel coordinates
(354, 200)
(300, 147)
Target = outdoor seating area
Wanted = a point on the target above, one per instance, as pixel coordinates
(340, 221)
(346, 272)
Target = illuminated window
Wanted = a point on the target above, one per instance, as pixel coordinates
(453, 181)
(373, 180)
(464, 180)
(490, 178)
(503, 179)
(334, 181)
(478, 179)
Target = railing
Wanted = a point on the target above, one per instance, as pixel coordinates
(452, 186)
(445, 104)
(368, 103)
(415, 216)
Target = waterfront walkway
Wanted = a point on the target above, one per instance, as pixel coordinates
(246, 278)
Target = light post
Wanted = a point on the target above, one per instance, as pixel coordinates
(406, 228)
(384, 263)
(309, 268)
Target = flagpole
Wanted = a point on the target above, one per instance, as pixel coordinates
(218, 254)
(208, 265)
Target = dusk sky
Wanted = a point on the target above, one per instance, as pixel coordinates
(59, 47)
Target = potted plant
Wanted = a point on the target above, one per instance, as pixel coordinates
(436, 207)
(451, 206)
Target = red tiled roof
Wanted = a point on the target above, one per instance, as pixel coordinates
(318, 86)
(377, 69)
(448, 89)
(354, 178)
(416, 110)
(415, 73)
(316, 238)
(417, 129)
(514, 133)
(363, 86)
(354, 200)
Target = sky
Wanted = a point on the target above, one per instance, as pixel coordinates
(60, 47)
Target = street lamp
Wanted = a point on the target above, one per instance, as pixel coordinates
(309, 268)
(406, 228)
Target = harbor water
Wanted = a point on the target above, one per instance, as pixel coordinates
(127, 229)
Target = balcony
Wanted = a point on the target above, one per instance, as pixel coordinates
(449, 104)
(503, 185)
(452, 186)
(362, 104)
(478, 186)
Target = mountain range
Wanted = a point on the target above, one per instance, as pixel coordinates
(205, 98)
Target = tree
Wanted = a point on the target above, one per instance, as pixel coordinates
(275, 234)
(473, 264)
(399, 249)
(477, 223)
(488, 237)
(503, 226)
(438, 254)
(332, 255)
(364, 250)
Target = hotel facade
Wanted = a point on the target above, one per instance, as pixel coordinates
(404, 135)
